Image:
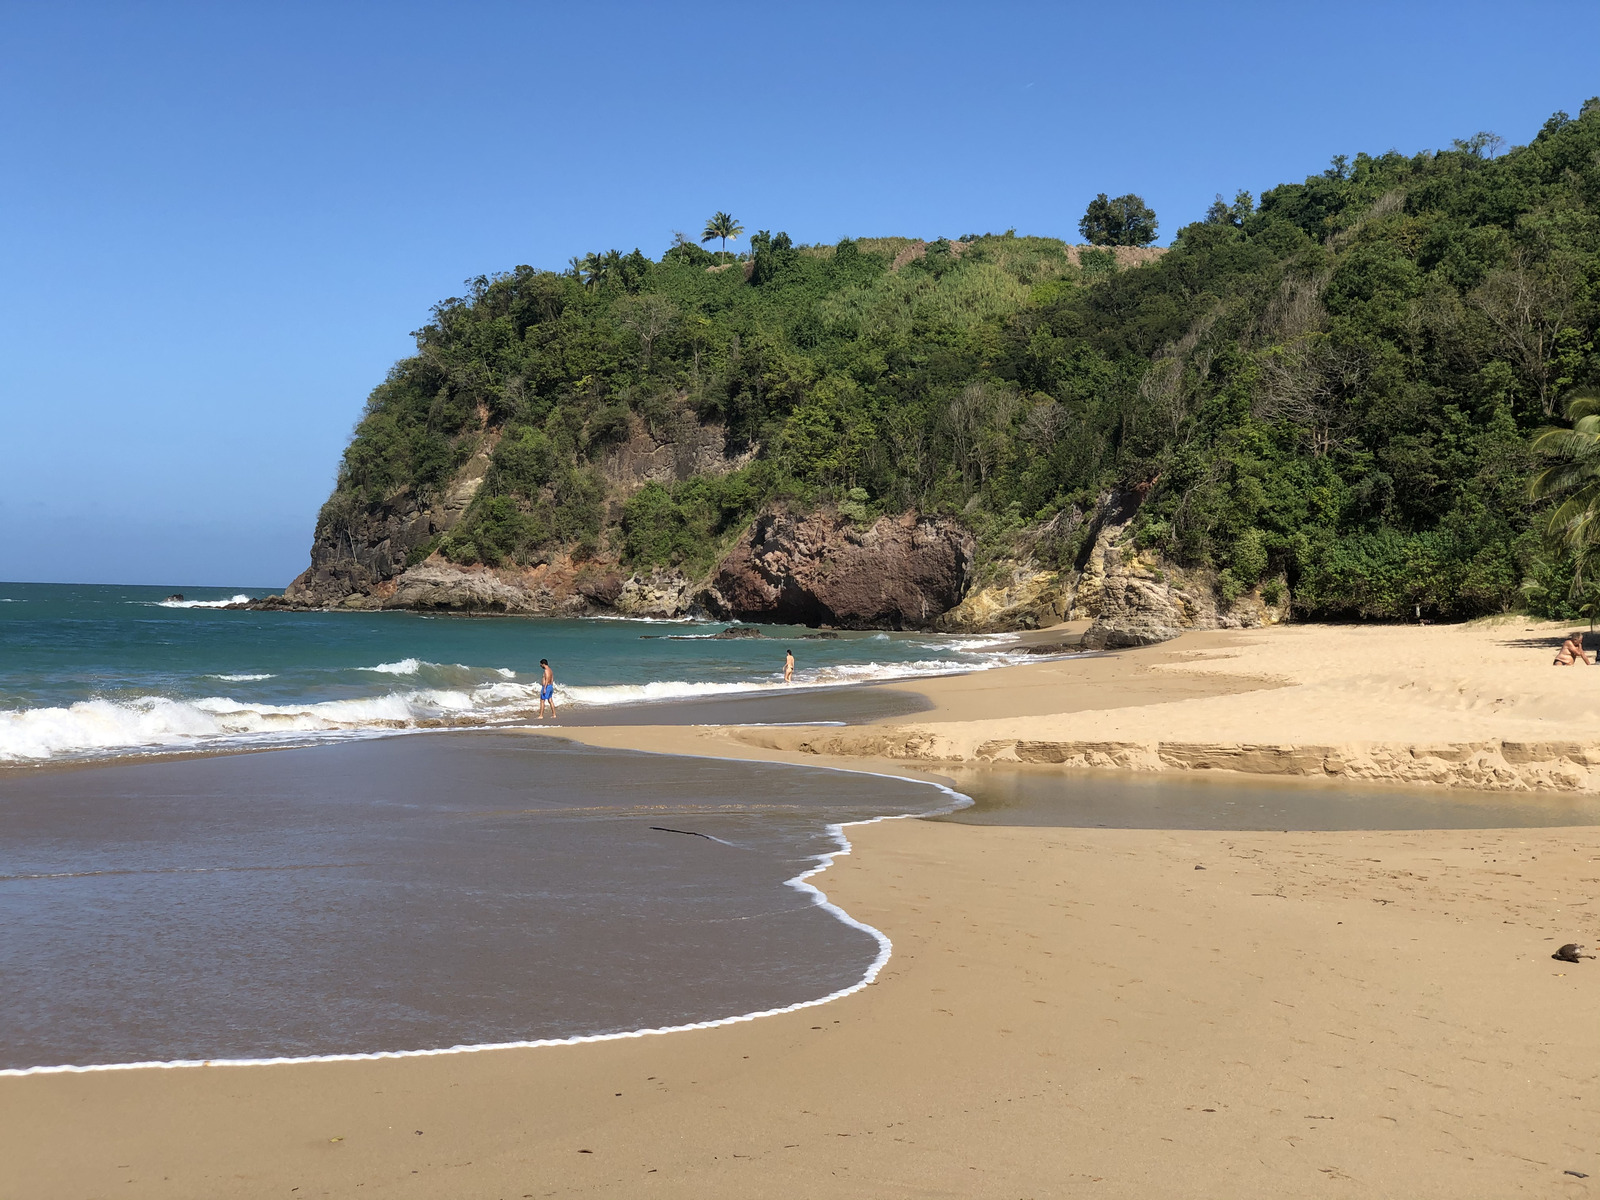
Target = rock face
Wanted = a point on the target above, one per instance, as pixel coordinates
(357, 552)
(660, 593)
(901, 572)
(908, 571)
(1024, 591)
(1137, 601)
(364, 557)
(1131, 597)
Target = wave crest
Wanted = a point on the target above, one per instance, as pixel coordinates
(241, 598)
(151, 724)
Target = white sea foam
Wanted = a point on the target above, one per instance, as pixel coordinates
(832, 676)
(800, 883)
(158, 722)
(980, 644)
(461, 697)
(241, 598)
(406, 666)
(240, 678)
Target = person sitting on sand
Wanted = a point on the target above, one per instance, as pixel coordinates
(547, 689)
(1572, 652)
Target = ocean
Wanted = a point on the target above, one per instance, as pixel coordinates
(96, 672)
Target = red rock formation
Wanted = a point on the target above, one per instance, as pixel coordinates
(901, 572)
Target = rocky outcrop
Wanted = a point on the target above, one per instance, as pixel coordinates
(900, 572)
(378, 556)
(1024, 590)
(658, 593)
(1135, 599)
(444, 587)
(1132, 597)
(359, 550)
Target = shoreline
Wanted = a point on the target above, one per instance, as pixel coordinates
(802, 882)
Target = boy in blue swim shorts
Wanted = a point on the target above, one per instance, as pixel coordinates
(547, 689)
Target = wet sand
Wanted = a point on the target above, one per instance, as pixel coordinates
(1011, 794)
(412, 893)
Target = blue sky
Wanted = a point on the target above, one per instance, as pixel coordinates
(218, 223)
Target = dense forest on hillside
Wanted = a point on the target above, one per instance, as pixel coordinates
(1334, 389)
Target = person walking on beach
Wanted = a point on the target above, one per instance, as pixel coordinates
(788, 666)
(547, 689)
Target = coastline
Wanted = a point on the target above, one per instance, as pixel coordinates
(1067, 1011)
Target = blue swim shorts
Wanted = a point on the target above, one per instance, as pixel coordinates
(547, 692)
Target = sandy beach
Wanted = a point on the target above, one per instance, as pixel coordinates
(1068, 1011)
(1476, 705)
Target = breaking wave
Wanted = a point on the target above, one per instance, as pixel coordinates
(153, 724)
(240, 678)
(406, 666)
(241, 598)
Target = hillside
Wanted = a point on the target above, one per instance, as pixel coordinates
(1323, 401)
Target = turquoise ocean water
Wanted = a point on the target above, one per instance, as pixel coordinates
(98, 671)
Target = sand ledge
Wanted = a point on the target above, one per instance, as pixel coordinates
(1494, 765)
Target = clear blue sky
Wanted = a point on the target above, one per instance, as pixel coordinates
(218, 222)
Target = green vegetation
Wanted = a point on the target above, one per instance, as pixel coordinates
(1572, 480)
(1335, 390)
(722, 225)
(1125, 221)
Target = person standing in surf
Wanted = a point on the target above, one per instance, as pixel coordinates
(788, 666)
(547, 688)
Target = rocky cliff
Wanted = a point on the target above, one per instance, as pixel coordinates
(824, 568)
(906, 571)
(900, 572)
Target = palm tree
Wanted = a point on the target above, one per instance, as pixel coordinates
(722, 226)
(1573, 479)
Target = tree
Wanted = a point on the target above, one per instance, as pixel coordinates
(724, 226)
(1573, 479)
(1125, 221)
(1223, 213)
(592, 268)
(769, 255)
